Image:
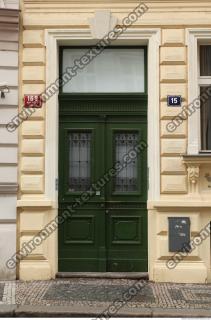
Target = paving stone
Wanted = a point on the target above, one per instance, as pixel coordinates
(86, 292)
(101, 292)
(108, 295)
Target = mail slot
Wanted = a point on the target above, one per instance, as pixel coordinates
(179, 234)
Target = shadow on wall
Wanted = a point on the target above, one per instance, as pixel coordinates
(7, 249)
(5, 273)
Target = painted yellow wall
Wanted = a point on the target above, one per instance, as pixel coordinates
(34, 211)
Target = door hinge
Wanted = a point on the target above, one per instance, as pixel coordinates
(56, 184)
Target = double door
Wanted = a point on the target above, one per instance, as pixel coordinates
(103, 179)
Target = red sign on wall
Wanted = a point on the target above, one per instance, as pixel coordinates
(32, 101)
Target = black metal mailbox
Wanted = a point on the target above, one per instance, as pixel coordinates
(179, 234)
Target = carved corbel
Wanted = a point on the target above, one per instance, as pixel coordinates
(193, 178)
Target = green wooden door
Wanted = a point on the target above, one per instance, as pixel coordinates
(82, 236)
(126, 196)
(106, 155)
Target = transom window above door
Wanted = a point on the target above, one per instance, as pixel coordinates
(114, 70)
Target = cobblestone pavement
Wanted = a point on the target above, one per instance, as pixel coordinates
(102, 292)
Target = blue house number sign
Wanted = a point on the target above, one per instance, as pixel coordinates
(174, 101)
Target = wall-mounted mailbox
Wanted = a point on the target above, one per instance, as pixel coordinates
(179, 234)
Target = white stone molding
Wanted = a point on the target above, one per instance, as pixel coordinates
(83, 36)
(102, 23)
(193, 37)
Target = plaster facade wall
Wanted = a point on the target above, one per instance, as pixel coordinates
(9, 38)
(35, 209)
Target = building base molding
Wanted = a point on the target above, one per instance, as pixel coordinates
(195, 266)
(184, 272)
(35, 270)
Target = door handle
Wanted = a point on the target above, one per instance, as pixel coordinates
(107, 211)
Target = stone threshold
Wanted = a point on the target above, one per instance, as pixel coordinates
(104, 275)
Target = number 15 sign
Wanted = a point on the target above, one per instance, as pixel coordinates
(174, 101)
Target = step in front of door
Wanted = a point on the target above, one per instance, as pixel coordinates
(108, 275)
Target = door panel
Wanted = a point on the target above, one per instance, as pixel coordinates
(81, 237)
(126, 197)
(126, 240)
(109, 231)
(82, 242)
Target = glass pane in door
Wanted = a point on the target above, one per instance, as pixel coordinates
(126, 179)
(79, 161)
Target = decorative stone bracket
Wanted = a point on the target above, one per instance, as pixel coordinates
(194, 163)
(102, 22)
(193, 178)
